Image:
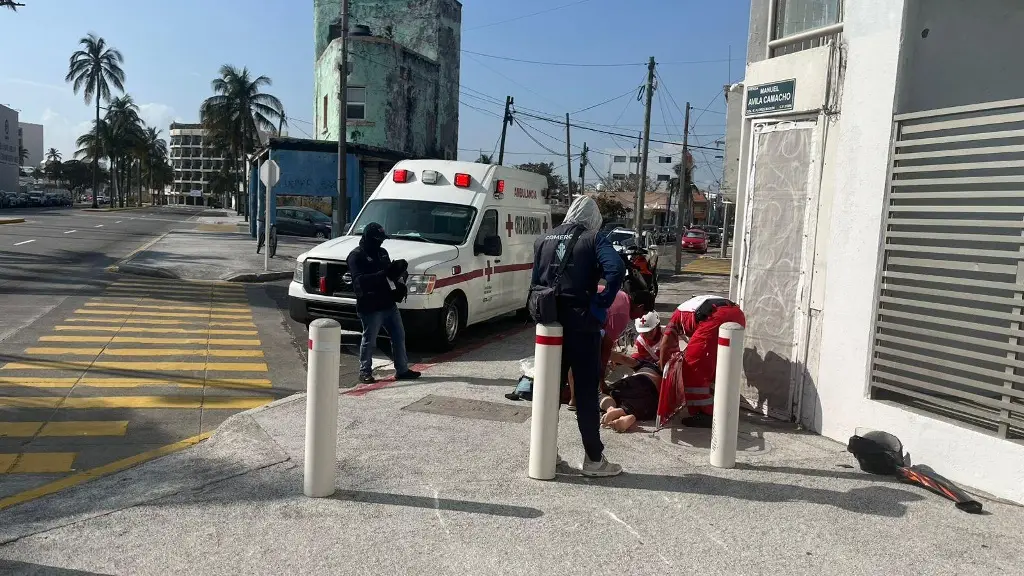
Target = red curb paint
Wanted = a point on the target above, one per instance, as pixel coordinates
(446, 357)
(723, 341)
(549, 340)
(310, 343)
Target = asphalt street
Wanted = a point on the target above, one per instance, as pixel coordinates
(100, 371)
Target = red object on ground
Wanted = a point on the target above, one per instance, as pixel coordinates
(689, 375)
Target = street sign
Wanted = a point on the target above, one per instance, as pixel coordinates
(772, 97)
(269, 173)
(195, 193)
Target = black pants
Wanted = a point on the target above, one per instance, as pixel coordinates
(637, 395)
(581, 353)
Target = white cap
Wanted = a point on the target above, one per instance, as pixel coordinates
(647, 322)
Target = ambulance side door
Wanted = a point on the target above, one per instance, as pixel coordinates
(488, 250)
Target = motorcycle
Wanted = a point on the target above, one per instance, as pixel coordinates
(641, 272)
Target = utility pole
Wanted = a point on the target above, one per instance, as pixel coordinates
(647, 143)
(341, 208)
(505, 123)
(685, 197)
(583, 169)
(568, 162)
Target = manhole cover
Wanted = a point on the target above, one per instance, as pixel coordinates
(465, 408)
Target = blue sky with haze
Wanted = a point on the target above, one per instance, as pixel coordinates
(173, 49)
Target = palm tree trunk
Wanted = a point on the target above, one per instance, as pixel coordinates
(245, 183)
(96, 156)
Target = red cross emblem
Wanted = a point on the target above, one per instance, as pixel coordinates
(545, 225)
(488, 271)
(643, 321)
(509, 226)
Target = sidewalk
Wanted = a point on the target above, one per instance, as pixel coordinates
(217, 249)
(432, 480)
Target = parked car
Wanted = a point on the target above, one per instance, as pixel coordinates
(36, 198)
(302, 221)
(695, 240)
(714, 235)
(622, 237)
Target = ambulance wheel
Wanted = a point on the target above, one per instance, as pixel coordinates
(452, 321)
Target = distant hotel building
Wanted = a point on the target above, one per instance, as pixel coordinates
(194, 165)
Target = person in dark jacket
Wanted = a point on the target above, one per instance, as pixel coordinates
(376, 281)
(581, 312)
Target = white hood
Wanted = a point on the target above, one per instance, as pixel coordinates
(420, 255)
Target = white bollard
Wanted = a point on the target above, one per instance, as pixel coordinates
(322, 408)
(726, 421)
(547, 380)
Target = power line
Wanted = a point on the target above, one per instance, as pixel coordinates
(567, 64)
(524, 16)
(627, 93)
(616, 133)
(537, 142)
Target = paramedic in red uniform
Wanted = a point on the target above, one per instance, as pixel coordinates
(696, 321)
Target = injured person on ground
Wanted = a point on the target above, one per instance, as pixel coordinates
(632, 398)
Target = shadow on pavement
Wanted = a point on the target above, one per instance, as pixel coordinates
(440, 504)
(30, 569)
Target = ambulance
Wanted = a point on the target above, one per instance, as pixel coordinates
(467, 231)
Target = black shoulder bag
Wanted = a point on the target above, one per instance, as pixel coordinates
(542, 303)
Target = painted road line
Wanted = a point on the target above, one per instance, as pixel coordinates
(36, 463)
(37, 382)
(99, 472)
(161, 322)
(154, 366)
(164, 314)
(143, 340)
(196, 285)
(165, 307)
(203, 351)
(24, 242)
(30, 401)
(71, 231)
(64, 428)
(98, 226)
(166, 402)
(119, 221)
(136, 330)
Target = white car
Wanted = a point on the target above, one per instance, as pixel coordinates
(467, 231)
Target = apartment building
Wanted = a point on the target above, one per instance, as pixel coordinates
(194, 164)
(624, 162)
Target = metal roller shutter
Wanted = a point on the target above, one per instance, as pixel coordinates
(948, 328)
(373, 174)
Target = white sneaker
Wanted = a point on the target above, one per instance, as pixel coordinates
(603, 468)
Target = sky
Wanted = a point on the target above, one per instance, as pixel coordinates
(172, 51)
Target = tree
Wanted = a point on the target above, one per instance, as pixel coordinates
(152, 152)
(611, 208)
(485, 159)
(126, 135)
(11, 4)
(237, 112)
(94, 68)
(22, 155)
(75, 176)
(53, 155)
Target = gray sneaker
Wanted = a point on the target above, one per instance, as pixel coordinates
(600, 469)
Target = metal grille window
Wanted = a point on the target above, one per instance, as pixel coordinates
(801, 24)
(950, 317)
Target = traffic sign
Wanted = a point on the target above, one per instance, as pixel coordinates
(269, 173)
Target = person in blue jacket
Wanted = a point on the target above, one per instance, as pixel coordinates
(375, 279)
(581, 310)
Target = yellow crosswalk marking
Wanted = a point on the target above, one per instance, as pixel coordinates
(85, 428)
(30, 401)
(36, 462)
(37, 382)
(19, 429)
(136, 330)
(161, 322)
(714, 266)
(42, 364)
(144, 295)
(145, 340)
(166, 307)
(218, 353)
(172, 284)
(170, 402)
(128, 382)
(174, 292)
(165, 314)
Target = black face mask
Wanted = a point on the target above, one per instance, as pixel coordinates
(373, 236)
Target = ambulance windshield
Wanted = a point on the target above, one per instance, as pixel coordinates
(417, 220)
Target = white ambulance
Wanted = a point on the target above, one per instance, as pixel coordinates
(467, 231)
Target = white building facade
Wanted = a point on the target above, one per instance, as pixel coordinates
(31, 136)
(880, 226)
(621, 163)
(193, 164)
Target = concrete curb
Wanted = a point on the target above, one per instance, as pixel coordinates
(257, 277)
(140, 270)
(11, 220)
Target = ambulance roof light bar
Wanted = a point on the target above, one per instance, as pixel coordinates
(462, 180)
(400, 176)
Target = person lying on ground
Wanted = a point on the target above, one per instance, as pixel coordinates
(633, 397)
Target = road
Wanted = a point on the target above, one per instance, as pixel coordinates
(99, 371)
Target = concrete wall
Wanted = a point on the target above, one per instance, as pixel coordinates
(402, 106)
(959, 52)
(734, 100)
(8, 149)
(32, 140)
(430, 28)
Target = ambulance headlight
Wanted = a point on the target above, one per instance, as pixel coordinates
(297, 273)
(421, 283)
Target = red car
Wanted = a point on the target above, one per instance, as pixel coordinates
(695, 240)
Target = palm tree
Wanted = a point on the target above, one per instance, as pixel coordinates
(126, 133)
(485, 159)
(152, 152)
(238, 111)
(53, 155)
(11, 4)
(94, 68)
